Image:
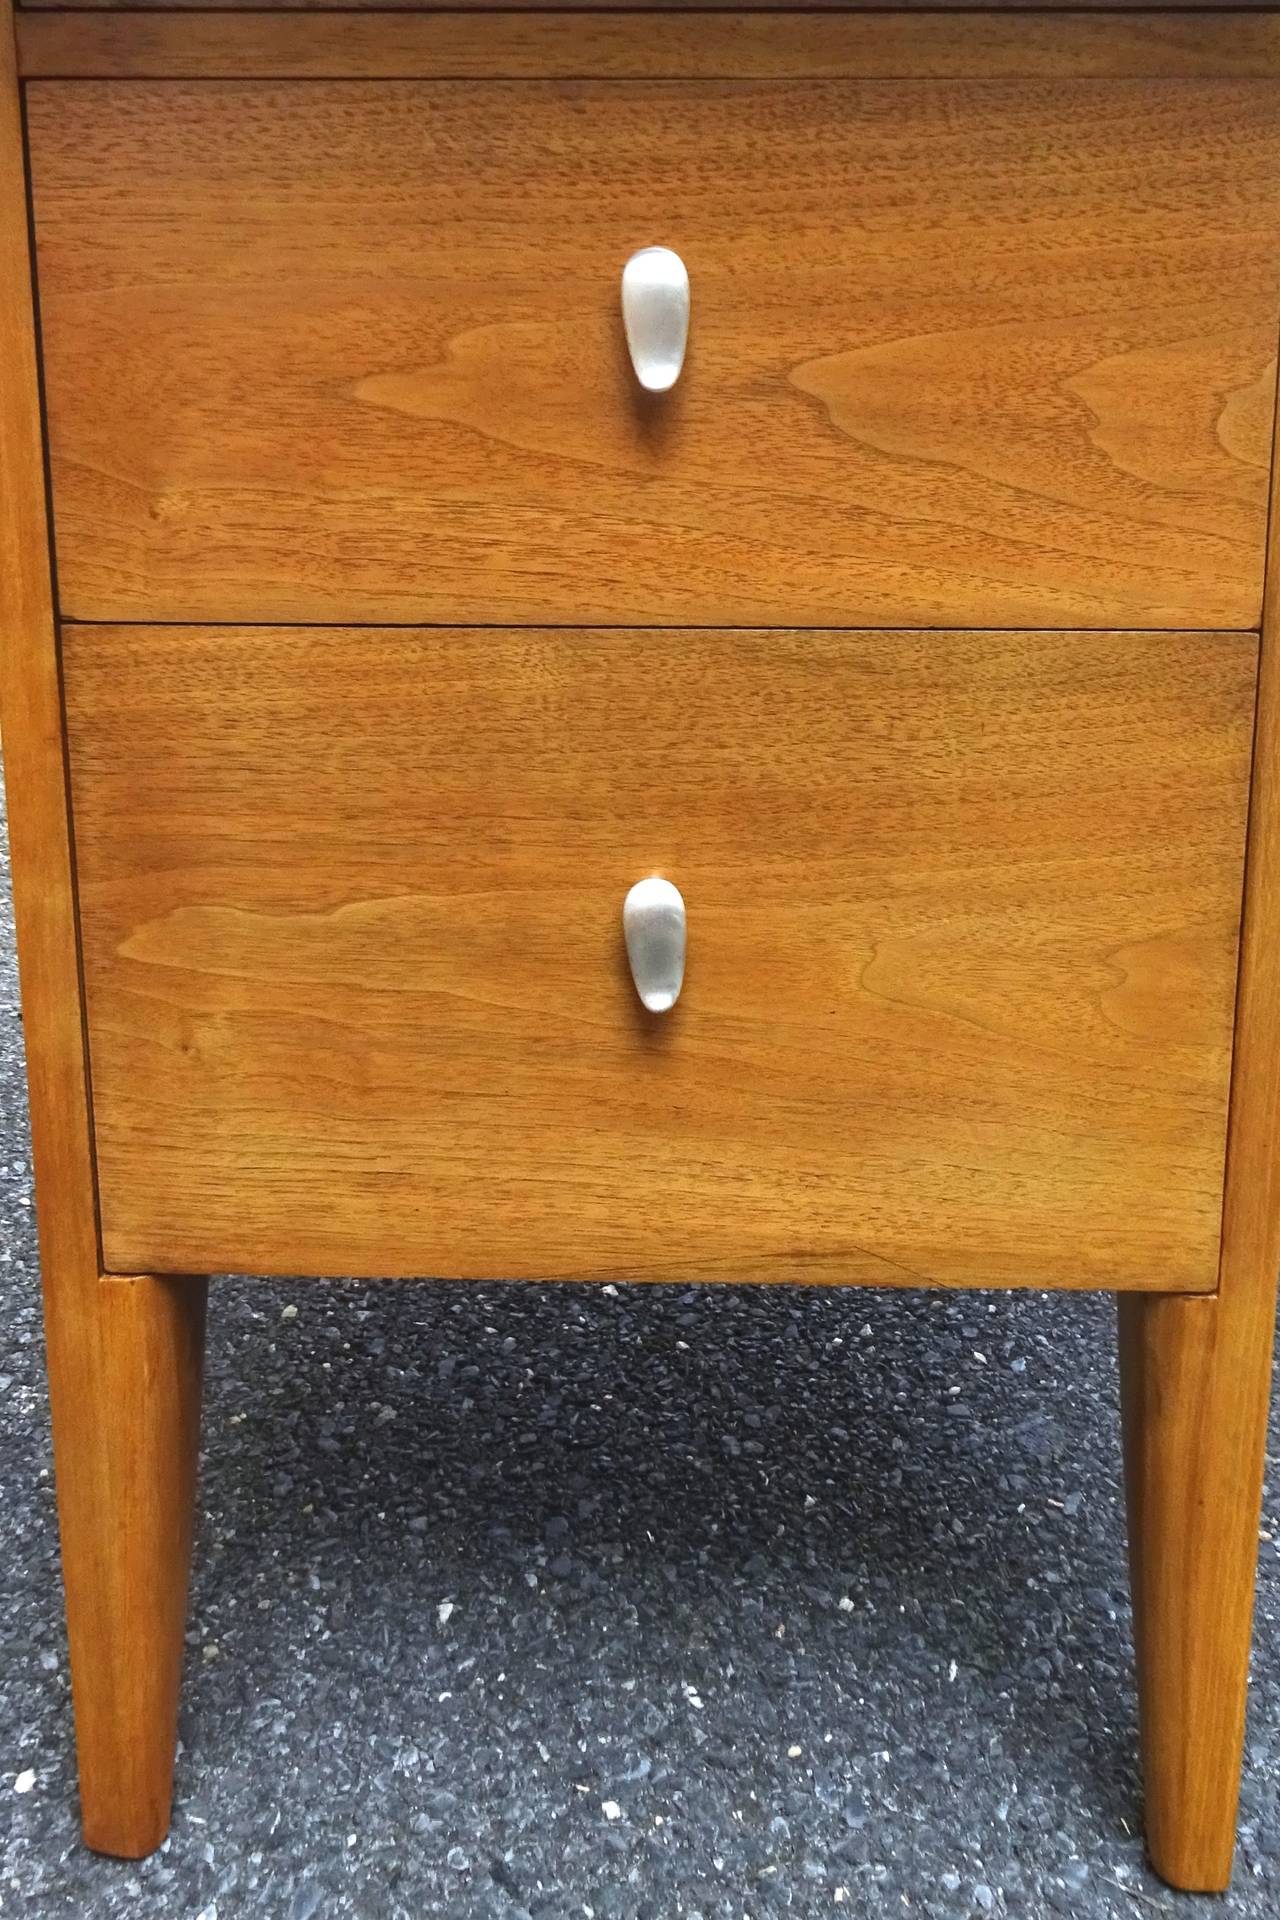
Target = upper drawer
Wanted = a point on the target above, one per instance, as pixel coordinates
(963, 352)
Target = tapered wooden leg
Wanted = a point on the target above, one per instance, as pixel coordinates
(124, 1354)
(125, 1386)
(1195, 1378)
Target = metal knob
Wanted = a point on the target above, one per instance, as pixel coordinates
(655, 314)
(653, 925)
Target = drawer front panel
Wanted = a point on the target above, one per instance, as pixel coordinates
(963, 352)
(963, 912)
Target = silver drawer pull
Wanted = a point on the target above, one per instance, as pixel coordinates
(654, 929)
(655, 314)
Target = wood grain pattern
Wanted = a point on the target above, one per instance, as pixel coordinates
(487, 10)
(963, 352)
(34, 763)
(126, 1463)
(963, 913)
(352, 45)
(123, 1354)
(1196, 1379)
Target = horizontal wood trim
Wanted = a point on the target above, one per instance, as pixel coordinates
(696, 7)
(315, 45)
(963, 914)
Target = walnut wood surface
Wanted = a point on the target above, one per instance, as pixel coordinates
(487, 10)
(124, 1355)
(1196, 1379)
(962, 352)
(34, 765)
(963, 912)
(310, 45)
(126, 1460)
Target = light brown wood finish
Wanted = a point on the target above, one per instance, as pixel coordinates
(126, 1465)
(353, 45)
(352, 350)
(1196, 1384)
(1196, 1381)
(311, 9)
(35, 772)
(963, 913)
(123, 1354)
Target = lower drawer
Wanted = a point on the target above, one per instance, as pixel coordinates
(963, 914)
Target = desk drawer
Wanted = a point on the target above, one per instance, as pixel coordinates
(962, 909)
(963, 352)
